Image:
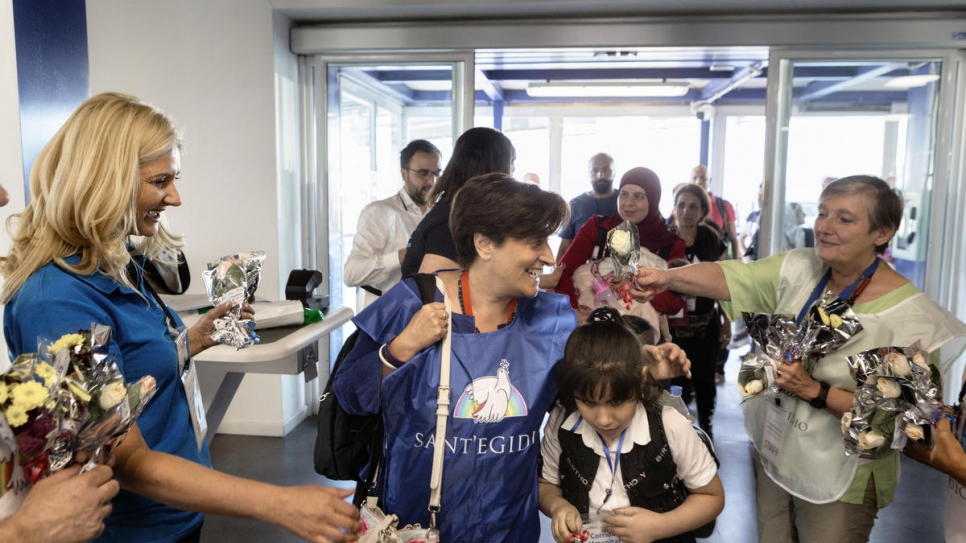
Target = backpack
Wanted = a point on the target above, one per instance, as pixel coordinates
(346, 443)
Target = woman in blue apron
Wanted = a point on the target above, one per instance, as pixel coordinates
(808, 489)
(507, 334)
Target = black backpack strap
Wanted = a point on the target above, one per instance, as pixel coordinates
(723, 209)
(427, 286)
(600, 248)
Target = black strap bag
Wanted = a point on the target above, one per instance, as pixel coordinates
(347, 443)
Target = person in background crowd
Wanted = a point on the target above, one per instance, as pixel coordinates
(700, 336)
(98, 193)
(379, 246)
(479, 150)
(640, 191)
(531, 178)
(722, 215)
(601, 201)
(722, 212)
(808, 489)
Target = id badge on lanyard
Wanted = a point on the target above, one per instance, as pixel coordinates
(192, 389)
(189, 376)
(773, 436)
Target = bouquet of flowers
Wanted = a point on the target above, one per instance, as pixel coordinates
(67, 399)
(828, 324)
(898, 398)
(234, 277)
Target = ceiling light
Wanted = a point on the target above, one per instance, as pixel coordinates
(607, 90)
(910, 81)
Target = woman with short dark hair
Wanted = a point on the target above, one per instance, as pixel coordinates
(507, 335)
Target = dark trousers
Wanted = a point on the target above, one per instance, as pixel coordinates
(703, 353)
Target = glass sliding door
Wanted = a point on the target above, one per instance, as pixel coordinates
(368, 107)
(831, 115)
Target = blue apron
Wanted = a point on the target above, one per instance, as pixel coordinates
(501, 390)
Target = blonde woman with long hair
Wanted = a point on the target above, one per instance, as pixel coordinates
(98, 192)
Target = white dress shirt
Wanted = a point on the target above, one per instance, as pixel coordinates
(384, 228)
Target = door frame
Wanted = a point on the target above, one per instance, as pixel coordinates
(947, 182)
(316, 132)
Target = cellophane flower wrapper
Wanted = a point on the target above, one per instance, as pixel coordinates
(900, 382)
(756, 376)
(774, 335)
(86, 403)
(827, 325)
(624, 241)
(235, 278)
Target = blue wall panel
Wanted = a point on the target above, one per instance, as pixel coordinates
(52, 68)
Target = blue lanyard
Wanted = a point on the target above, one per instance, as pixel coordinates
(612, 464)
(849, 294)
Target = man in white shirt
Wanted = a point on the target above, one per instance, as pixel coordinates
(384, 226)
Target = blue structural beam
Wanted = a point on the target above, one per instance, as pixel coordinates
(52, 69)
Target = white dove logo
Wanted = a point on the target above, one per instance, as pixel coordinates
(491, 399)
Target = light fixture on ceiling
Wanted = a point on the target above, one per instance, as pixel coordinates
(910, 81)
(607, 90)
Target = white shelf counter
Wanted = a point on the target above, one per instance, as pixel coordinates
(288, 350)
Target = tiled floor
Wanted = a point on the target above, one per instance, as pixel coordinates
(915, 515)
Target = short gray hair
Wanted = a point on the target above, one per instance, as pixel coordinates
(884, 202)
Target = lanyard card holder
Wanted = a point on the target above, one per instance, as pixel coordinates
(192, 388)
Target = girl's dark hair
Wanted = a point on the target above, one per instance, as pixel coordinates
(603, 358)
(501, 208)
(479, 150)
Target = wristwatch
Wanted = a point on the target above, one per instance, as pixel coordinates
(819, 401)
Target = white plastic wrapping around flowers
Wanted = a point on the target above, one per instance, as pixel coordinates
(235, 278)
(898, 398)
(624, 241)
(828, 324)
(68, 398)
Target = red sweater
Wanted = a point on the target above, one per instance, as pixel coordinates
(582, 248)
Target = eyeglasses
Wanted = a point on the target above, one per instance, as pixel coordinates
(426, 174)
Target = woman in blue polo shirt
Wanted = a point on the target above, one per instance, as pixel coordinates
(98, 191)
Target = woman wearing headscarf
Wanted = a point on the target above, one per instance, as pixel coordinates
(637, 200)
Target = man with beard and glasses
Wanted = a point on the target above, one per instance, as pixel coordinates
(601, 201)
(384, 226)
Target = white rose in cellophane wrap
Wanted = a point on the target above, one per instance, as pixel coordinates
(235, 278)
(624, 241)
(896, 382)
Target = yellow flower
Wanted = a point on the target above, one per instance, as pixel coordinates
(78, 391)
(66, 341)
(16, 415)
(29, 395)
(47, 372)
(4, 394)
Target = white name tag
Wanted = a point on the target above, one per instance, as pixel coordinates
(776, 420)
(597, 534)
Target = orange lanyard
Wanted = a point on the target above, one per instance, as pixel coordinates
(466, 304)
